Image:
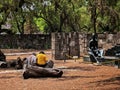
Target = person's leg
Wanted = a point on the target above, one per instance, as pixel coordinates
(40, 65)
(49, 64)
(101, 52)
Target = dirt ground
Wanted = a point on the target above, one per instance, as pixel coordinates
(77, 76)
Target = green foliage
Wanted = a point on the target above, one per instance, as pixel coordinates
(40, 23)
(61, 15)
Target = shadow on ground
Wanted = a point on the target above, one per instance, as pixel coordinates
(87, 68)
(114, 80)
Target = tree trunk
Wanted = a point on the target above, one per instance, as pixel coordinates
(36, 72)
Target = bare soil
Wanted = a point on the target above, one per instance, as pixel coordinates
(77, 76)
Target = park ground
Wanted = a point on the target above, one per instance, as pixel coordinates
(77, 76)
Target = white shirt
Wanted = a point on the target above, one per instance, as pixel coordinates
(31, 60)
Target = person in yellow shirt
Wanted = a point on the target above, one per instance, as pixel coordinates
(41, 59)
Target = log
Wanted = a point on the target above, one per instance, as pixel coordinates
(3, 64)
(36, 72)
(17, 63)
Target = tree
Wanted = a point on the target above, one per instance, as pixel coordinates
(103, 15)
(60, 15)
(4, 11)
(17, 11)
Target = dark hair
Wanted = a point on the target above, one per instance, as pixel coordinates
(42, 52)
(34, 54)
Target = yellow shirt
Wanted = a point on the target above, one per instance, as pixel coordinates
(41, 59)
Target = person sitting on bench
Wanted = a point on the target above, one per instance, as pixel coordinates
(95, 52)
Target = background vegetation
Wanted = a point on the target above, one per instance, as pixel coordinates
(47, 16)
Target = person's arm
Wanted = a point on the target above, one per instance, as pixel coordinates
(34, 60)
(37, 59)
(25, 63)
(46, 60)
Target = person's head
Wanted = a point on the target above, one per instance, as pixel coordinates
(34, 54)
(41, 52)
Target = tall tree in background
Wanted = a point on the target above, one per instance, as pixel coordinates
(22, 15)
(60, 15)
(103, 15)
(4, 13)
(17, 11)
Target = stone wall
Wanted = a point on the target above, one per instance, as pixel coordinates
(105, 40)
(73, 44)
(65, 45)
(27, 41)
(76, 44)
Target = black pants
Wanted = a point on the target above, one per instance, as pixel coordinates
(41, 65)
(49, 64)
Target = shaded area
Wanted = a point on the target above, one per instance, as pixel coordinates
(114, 80)
(6, 77)
(87, 68)
(26, 41)
(113, 51)
(64, 78)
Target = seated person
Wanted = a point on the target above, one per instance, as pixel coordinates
(42, 60)
(30, 61)
(93, 45)
(96, 54)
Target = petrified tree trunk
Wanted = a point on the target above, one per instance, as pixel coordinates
(17, 64)
(36, 72)
(3, 64)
